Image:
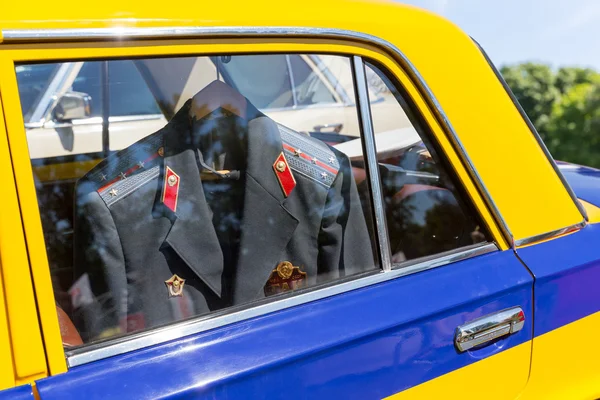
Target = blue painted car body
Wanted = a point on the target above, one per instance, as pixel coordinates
(566, 281)
(584, 181)
(367, 343)
(23, 392)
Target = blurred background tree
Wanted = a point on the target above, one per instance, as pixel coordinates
(564, 106)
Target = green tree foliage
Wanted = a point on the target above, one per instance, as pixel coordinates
(534, 87)
(564, 106)
(566, 78)
(574, 128)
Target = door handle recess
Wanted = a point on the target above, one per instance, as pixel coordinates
(488, 328)
(336, 128)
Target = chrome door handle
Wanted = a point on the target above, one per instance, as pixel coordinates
(488, 328)
(336, 128)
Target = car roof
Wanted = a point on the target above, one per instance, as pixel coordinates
(365, 16)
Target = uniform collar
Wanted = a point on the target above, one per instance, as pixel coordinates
(263, 143)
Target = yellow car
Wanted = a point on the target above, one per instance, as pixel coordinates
(252, 200)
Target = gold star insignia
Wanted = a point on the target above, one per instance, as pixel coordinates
(175, 286)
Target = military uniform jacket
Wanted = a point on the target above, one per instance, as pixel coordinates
(145, 214)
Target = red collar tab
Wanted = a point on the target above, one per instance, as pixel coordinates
(284, 175)
(170, 189)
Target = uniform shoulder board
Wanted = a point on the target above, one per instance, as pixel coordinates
(309, 156)
(125, 171)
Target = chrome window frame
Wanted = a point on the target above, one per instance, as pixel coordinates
(199, 324)
(370, 152)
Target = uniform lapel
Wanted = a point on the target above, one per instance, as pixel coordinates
(192, 235)
(267, 225)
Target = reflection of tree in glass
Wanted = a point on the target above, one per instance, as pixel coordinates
(427, 222)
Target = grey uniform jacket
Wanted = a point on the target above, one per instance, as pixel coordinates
(133, 231)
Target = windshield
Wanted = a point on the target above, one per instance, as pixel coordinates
(33, 81)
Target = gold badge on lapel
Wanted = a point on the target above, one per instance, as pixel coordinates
(284, 278)
(175, 286)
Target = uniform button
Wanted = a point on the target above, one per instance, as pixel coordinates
(280, 166)
(172, 180)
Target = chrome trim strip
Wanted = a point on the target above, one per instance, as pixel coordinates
(133, 118)
(51, 124)
(98, 120)
(33, 125)
(534, 132)
(370, 152)
(303, 107)
(92, 34)
(201, 324)
(551, 234)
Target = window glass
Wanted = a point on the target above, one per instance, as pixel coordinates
(265, 80)
(88, 81)
(309, 86)
(129, 94)
(231, 200)
(33, 80)
(425, 211)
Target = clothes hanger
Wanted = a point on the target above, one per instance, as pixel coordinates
(212, 174)
(215, 95)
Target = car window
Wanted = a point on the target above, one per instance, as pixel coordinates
(33, 81)
(128, 92)
(426, 212)
(232, 201)
(223, 206)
